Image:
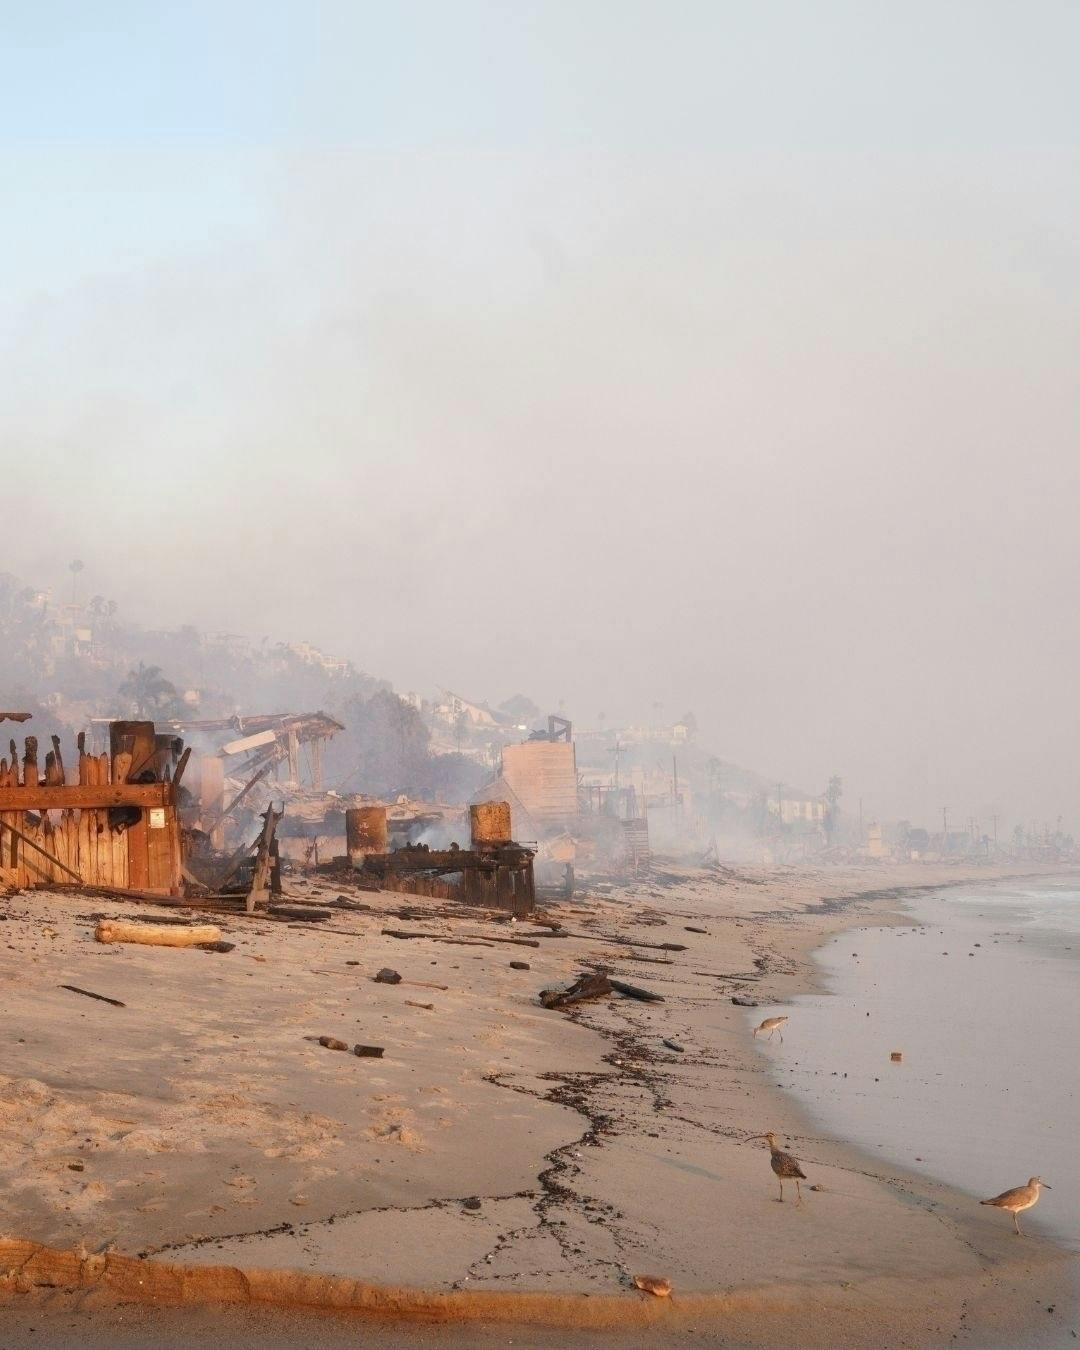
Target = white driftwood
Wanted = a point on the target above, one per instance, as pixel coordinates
(153, 935)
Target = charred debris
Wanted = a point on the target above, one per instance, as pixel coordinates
(134, 810)
(210, 813)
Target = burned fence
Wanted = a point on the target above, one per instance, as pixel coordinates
(115, 827)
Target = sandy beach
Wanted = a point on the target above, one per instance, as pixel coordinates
(501, 1167)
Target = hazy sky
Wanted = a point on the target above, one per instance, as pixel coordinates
(723, 356)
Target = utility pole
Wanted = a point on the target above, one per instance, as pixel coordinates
(995, 834)
(860, 821)
(616, 750)
(674, 781)
(944, 830)
(780, 804)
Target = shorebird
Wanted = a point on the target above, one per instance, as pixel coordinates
(784, 1165)
(772, 1024)
(1019, 1198)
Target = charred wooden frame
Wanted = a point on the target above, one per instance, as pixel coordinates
(499, 877)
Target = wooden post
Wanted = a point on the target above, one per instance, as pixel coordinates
(260, 891)
(9, 843)
(489, 824)
(138, 738)
(212, 797)
(365, 832)
(294, 756)
(30, 763)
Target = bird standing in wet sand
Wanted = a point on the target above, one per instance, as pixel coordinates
(772, 1024)
(1019, 1198)
(784, 1165)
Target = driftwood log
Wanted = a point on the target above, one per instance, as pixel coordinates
(635, 991)
(163, 935)
(595, 984)
(592, 985)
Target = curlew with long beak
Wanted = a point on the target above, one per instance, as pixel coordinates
(772, 1025)
(784, 1165)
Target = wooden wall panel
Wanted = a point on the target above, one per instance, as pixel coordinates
(543, 776)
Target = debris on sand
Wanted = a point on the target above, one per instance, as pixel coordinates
(595, 984)
(89, 993)
(587, 986)
(658, 1285)
(636, 991)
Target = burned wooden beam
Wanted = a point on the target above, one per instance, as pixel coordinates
(96, 796)
(593, 985)
(499, 877)
(217, 820)
(635, 991)
(89, 993)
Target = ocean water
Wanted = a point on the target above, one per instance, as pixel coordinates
(982, 997)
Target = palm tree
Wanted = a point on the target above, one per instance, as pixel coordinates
(75, 567)
(148, 691)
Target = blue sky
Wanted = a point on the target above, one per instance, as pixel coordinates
(627, 76)
(131, 130)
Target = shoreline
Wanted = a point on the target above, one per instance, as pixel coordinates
(711, 1097)
(973, 1096)
(1013, 1282)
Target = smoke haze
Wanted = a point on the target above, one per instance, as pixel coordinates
(708, 356)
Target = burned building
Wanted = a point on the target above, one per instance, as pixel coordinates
(107, 819)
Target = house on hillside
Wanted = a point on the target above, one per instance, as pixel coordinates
(799, 809)
(450, 707)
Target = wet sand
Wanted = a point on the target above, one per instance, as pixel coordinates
(498, 1147)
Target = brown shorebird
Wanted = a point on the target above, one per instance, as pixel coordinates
(1019, 1198)
(772, 1024)
(784, 1165)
